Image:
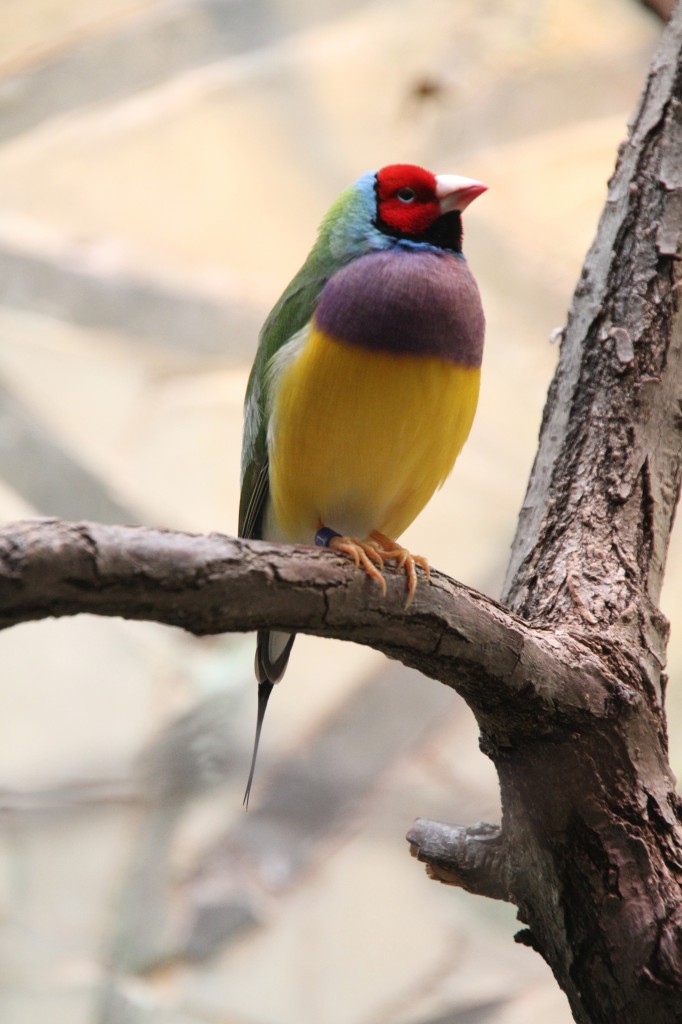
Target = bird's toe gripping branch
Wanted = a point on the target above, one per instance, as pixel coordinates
(372, 553)
(388, 550)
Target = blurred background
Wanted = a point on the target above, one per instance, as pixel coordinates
(163, 167)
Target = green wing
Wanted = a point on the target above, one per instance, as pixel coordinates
(292, 312)
(339, 241)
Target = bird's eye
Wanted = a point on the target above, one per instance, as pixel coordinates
(406, 194)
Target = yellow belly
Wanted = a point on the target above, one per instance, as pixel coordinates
(361, 439)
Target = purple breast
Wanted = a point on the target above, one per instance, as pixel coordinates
(407, 302)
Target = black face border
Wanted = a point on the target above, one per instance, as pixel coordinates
(445, 232)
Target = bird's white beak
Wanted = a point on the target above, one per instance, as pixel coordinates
(455, 193)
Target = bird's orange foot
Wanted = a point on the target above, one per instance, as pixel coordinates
(373, 552)
(388, 550)
(364, 555)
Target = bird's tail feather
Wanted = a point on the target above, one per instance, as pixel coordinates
(272, 654)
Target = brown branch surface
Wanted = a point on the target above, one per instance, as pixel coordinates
(218, 584)
(591, 824)
(593, 532)
(473, 858)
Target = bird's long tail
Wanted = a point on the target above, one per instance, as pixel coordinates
(264, 691)
(272, 654)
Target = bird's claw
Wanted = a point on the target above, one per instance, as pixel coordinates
(375, 551)
(364, 555)
(404, 559)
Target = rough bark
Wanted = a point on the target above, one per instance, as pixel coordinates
(566, 681)
(591, 838)
(218, 584)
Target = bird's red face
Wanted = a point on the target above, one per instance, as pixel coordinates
(410, 199)
(406, 198)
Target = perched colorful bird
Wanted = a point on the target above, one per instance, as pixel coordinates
(365, 382)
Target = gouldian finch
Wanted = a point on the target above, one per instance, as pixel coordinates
(365, 383)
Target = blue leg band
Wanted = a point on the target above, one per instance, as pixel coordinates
(324, 535)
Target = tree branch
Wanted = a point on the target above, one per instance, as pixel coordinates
(592, 821)
(593, 532)
(509, 672)
(473, 858)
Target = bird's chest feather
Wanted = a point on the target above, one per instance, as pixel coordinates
(373, 405)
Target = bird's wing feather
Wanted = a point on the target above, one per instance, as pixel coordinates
(291, 313)
(336, 245)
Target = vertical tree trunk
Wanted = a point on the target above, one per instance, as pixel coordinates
(592, 814)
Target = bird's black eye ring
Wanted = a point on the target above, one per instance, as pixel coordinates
(406, 194)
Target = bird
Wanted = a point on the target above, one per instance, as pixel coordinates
(364, 385)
